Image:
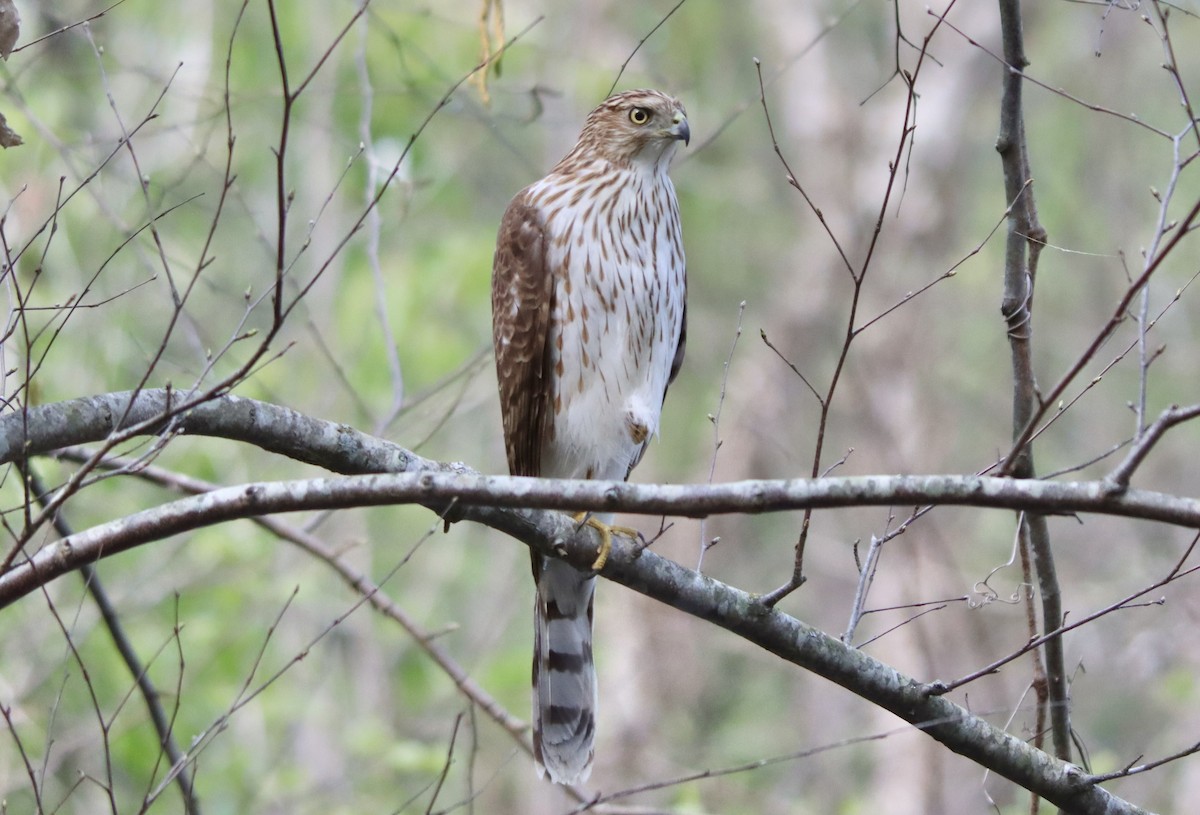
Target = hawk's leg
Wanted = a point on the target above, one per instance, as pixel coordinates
(606, 531)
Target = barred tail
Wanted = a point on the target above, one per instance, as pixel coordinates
(564, 676)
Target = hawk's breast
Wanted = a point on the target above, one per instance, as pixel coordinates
(616, 251)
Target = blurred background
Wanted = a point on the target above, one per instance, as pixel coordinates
(393, 338)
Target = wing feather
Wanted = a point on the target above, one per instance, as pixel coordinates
(680, 345)
(522, 294)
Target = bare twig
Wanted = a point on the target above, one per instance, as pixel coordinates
(858, 275)
(1025, 239)
(763, 334)
(1176, 572)
(356, 579)
(68, 27)
(35, 787)
(1147, 767)
(642, 42)
(1172, 416)
(163, 725)
(866, 576)
(374, 224)
(1134, 120)
(951, 272)
(441, 779)
(715, 419)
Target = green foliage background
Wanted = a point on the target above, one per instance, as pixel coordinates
(362, 722)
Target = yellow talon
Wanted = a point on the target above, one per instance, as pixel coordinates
(606, 533)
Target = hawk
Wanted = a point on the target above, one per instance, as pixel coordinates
(588, 323)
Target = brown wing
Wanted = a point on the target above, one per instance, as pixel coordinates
(522, 293)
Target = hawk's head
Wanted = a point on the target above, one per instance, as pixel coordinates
(639, 127)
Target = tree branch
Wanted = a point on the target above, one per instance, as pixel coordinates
(438, 485)
(1025, 239)
(415, 479)
(515, 505)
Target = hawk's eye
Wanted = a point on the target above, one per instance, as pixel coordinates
(639, 116)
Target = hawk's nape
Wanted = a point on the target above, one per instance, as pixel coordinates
(588, 312)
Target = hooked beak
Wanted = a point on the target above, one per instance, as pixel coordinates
(680, 130)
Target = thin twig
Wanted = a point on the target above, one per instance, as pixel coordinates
(1176, 572)
(715, 419)
(858, 276)
(374, 224)
(352, 576)
(1172, 416)
(441, 779)
(866, 576)
(68, 27)
(642, 42)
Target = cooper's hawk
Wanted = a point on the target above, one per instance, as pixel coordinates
(588, 319)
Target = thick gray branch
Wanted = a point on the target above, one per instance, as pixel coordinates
(510, 504)
(342, 449)
(467, 495)
(335, 447)
(642, 571)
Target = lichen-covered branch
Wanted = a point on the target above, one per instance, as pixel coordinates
(402, 477)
